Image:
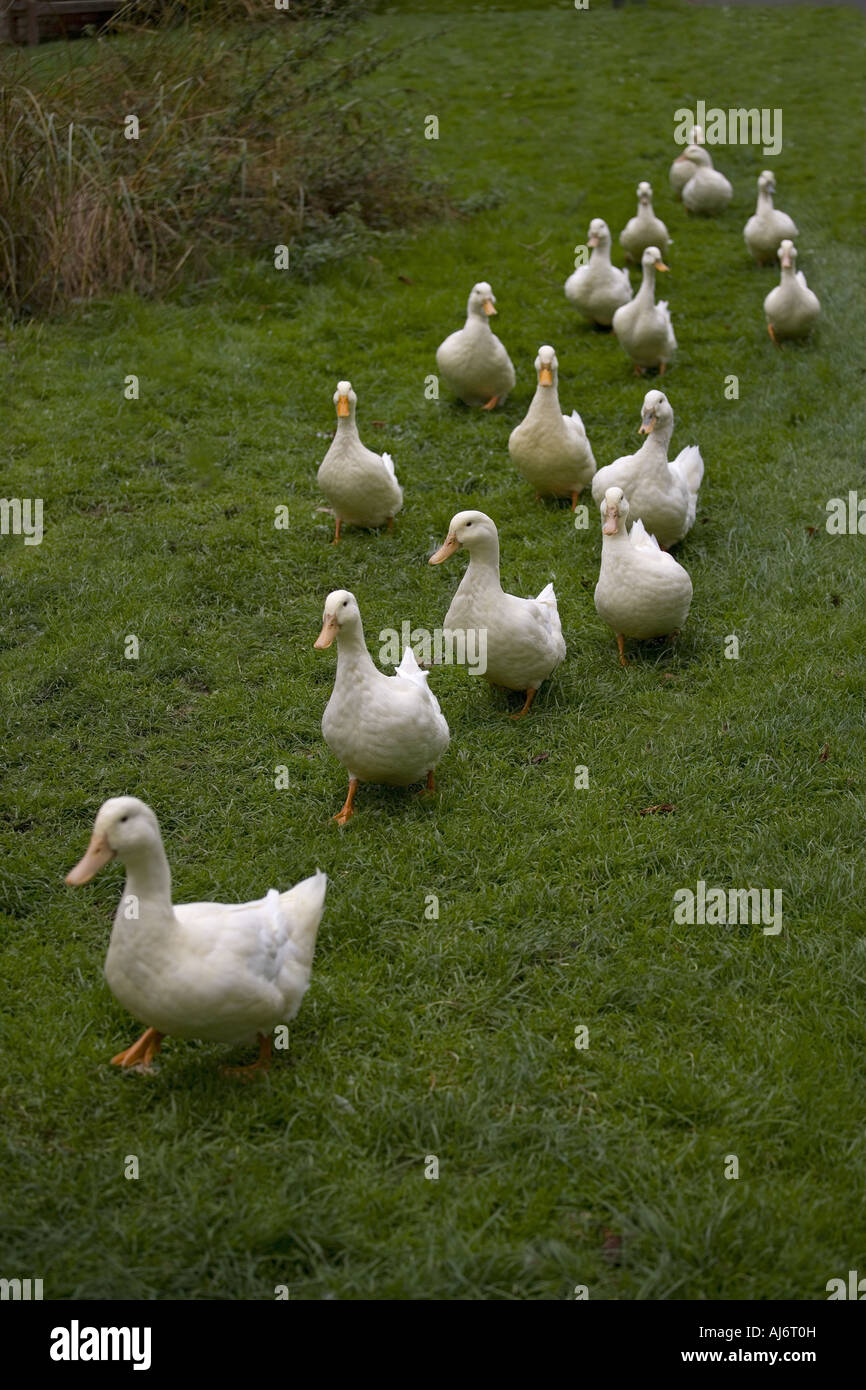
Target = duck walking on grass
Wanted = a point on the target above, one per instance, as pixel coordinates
(472, 361)
(644, 328)
(662, 492)
(222, 973)
(706, 190)
(767, 228)
(644, 229)
(681, 172)
(524, 642)
(598, 288)
(551, 449)
(641, 591)
(386, 729)
(791, 308)
(361, 486)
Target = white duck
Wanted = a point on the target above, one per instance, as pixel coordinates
(641, 591)
(663, 493)
(361, 486)
(767, 228)
(598, 288)
(386, 729)
(524, 642)
(706, 190)
(644, 328)
(223, 973)
(791, 308)
(644, 229)
(472, 361)
(680, 173)
(551, 449)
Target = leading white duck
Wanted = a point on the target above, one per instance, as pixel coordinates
(644, 229)
(641, 591)
(706, 190)
(663, 493)
(791, 308)
(767, 228)
(598, 288)
(361, 486)
(644, 328)
(680, 173)
(551, 449)
(386, 729)
(472, 361)
(524, 642)
(222, 973)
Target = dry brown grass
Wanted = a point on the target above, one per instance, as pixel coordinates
(249, 135)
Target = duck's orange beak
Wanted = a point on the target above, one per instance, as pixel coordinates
(343, 406)
(660, 265)
(98, 854)
(448, 547)
(489, 307)
(545, 377)
(328, 633)
(647, 425)
(610, 522)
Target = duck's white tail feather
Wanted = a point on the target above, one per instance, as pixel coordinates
(642, 538)
(690, 466)
(802, 279)
(389, 466)
(298, 913)
(548, 597)
(410, 670)
(577, 420)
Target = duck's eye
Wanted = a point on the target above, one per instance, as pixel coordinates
(469, 523)
(345, 603)
(123, 818)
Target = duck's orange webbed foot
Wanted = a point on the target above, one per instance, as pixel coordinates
(261, 1064)
(139, 1056)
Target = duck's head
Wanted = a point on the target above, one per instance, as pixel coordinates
(787, 254)
(614, 511)
(695, 155)
(656, 411)
(652, 259)
(599, 233)
(345, 400)
(767, 181)
(341, 612)
(482, 301)
(546, 366)
(644, 192)
(124, 826)
(469, 529)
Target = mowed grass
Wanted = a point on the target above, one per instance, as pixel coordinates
(454, 1036)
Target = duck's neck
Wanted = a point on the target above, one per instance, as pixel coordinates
(148, 878)
(601, 252)
(545, 402)
(477, 323)
(484, 562)
(655, 448)
(765, 201)
(354, 662)
(347, 430)
(616, 541)
(645, 211)
(789, 273)
(647, 291)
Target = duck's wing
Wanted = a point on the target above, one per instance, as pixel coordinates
(641, 538)
(689, 465)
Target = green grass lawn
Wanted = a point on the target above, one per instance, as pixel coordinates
(455, 1037)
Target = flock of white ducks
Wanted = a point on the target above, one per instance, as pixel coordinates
(232, 973)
